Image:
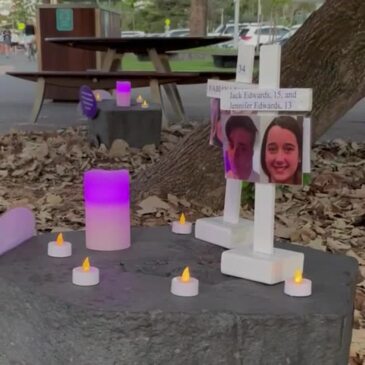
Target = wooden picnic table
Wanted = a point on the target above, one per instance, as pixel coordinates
(155, 47)
(106, 80)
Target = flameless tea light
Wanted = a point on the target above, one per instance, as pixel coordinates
(101, 94)
(123, 91)
(59, 248)
(185, 285)
(182, 226)
(139, 99)
(298, 286)
(145, 104)
(97, 96)
(85, 275)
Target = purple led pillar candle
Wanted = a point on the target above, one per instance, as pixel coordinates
(107, 216)
(123, 92)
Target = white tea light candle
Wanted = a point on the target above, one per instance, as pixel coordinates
(298, 286)
(85, 275)
(145, 104)
(139, 99)
(182, 226)
(59, 248)
(185, 285)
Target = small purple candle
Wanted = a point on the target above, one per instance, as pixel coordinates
(107, 215)
(123, 91)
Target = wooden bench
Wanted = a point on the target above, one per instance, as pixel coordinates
(107, 80)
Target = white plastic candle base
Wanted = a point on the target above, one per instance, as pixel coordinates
(85, 278)
(224, 234)
(185, 289)
(268, 269)
(302, 289)
(179, 228)
(64, 250)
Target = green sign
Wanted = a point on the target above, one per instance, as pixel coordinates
(64, 20)
(21, 26)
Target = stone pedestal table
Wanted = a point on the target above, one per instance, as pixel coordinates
(131, 318)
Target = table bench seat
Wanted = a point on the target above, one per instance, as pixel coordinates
(107, 80)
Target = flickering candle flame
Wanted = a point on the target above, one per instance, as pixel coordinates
(139, 99)
(85, 275)
(59, 239)
(298, 286)
(144, 104)
(182, 219)
(185, 277)
(97, 96)
(86, 265)
(298, 277)
(59, 247)
(181, 226)
(185, 285)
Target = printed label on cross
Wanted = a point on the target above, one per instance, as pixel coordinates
(239, 99)
(215, 88)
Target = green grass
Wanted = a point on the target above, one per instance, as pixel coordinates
(210, 50)
(131, 63)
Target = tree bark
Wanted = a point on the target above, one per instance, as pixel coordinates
(326, 54)
(198, 17)
(193, 169)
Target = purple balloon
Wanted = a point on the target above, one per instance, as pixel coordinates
(88, 102)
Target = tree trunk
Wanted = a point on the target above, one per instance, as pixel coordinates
(326, 54)
(192, 169)
(198, 17)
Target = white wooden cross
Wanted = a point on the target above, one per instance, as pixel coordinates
(261, 261)
(255, 257)
(230, 231)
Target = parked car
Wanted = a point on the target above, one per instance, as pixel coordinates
(286, 36)
(257, 35)
(179, 32)
(132, 33)
(155, 34)
(228, 29)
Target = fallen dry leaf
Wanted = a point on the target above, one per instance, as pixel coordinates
(53, 199)
(357, 344)
(359, 259)
(152, 203)
(119, 148)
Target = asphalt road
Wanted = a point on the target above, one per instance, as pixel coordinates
(16, 100)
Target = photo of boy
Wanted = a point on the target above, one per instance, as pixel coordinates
(240, 136)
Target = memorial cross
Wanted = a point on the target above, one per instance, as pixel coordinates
(262, 262)
(230, 230)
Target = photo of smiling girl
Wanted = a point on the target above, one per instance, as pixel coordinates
(282, 150)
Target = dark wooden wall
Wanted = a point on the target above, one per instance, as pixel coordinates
(52, 57)
(60, 58)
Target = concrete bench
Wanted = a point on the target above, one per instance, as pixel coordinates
(106, 80)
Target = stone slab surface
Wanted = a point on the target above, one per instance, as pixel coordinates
(131, 317)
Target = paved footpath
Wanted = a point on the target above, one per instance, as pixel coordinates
(16, 100)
